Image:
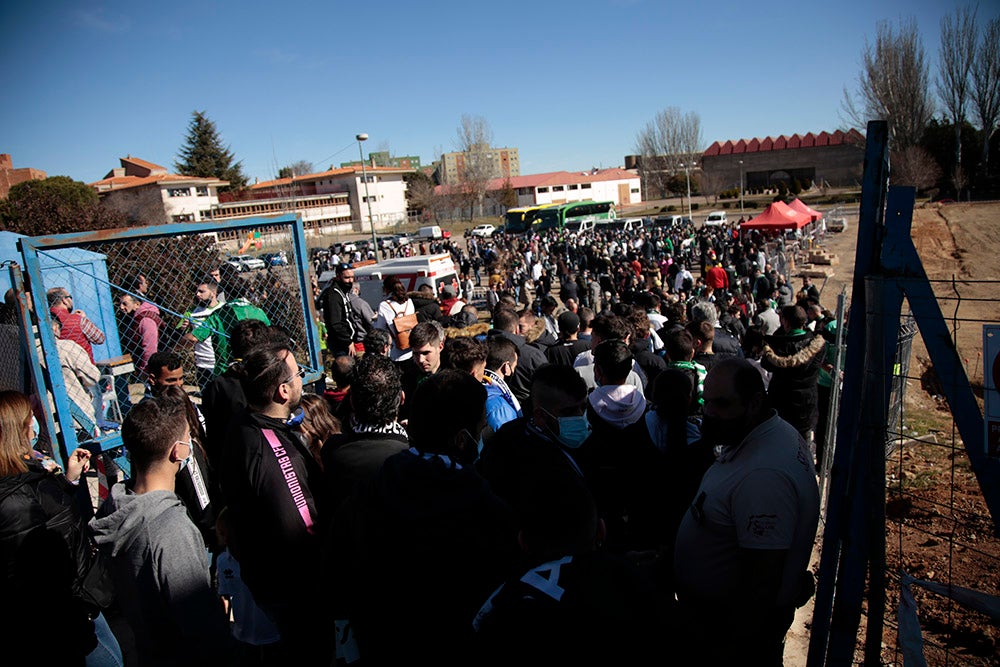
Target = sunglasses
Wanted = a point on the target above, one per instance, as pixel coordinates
(300, 373)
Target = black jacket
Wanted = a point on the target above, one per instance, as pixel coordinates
(428, 542)
(271, 493)
(339, 319)
(45, 556)
(795, 362)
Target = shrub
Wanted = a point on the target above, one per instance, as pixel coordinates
(694, 206)
(726, 204)
(671, 208)
(796, 187)
(806, 183)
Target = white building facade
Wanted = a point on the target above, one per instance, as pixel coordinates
(147, 192)
(375, 194)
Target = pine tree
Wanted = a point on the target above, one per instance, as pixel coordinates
(204, 155)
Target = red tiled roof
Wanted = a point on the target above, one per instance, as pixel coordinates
(124, 182)
(305, 178)
(783, 142)
(152, 167)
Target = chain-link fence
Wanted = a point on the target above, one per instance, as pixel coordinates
(119, 297)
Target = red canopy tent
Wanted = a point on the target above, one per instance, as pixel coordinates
(777, 216)
(801, 207)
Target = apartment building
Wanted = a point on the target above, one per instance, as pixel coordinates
(500, 163)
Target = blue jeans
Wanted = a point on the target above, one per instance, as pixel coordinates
(107, 653)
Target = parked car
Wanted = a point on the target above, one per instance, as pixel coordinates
(483, 231)
(716, 219)
(245, 262)
(275, 258)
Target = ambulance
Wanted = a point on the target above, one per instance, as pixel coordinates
(434, 270)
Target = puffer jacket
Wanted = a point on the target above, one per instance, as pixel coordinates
(795, 361)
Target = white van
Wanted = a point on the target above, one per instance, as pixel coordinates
(431, 232)
(716, 219)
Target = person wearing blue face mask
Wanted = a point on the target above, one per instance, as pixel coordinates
(527, 450)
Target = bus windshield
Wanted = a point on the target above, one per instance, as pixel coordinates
(518, 220)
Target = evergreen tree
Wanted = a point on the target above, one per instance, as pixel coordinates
(204, 155)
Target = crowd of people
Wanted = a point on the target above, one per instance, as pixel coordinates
(611, 458)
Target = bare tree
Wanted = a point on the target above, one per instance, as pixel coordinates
(957, 50)
(671, 138)
(710, 184)
(986, 84)
(421, 195)
(893, 85)
(913, 166)
(299, 168)
(474, 139)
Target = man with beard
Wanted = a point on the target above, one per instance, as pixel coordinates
(272, 486)
(338, 314)
(745, 543)
(206, 296)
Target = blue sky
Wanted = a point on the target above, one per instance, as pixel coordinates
(569, 84)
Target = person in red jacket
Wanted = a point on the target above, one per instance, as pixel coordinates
(75, 325)
(716, 277)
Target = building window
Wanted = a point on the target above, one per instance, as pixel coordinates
(369, 179)
(557, 188)
(372, 198)
(179, 192)
(572, 187)
(206, 215)
(184, 217)
(201, 191)
(540, 190)
(585, 186)
(634, 191)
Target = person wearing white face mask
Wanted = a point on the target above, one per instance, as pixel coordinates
(157, 556)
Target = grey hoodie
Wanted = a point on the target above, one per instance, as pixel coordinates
(161, 577)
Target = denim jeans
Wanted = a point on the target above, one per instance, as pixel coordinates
(107, 653)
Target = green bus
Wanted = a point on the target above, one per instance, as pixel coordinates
(518, 220)
(574, 216)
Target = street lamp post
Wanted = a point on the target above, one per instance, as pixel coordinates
(687, 177)
(364, 177)
(741, 188)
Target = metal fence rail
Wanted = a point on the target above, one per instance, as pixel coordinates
(138, 288)
(910, 546)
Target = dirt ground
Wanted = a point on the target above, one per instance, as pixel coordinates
(938, 526)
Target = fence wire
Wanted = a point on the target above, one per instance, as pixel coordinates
(121, 297)
(938, 527)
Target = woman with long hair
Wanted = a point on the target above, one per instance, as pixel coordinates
(48, 566)
(395, 305)
(318, 423)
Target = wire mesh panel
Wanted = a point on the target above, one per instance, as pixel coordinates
(938, 527)
(119, 297)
